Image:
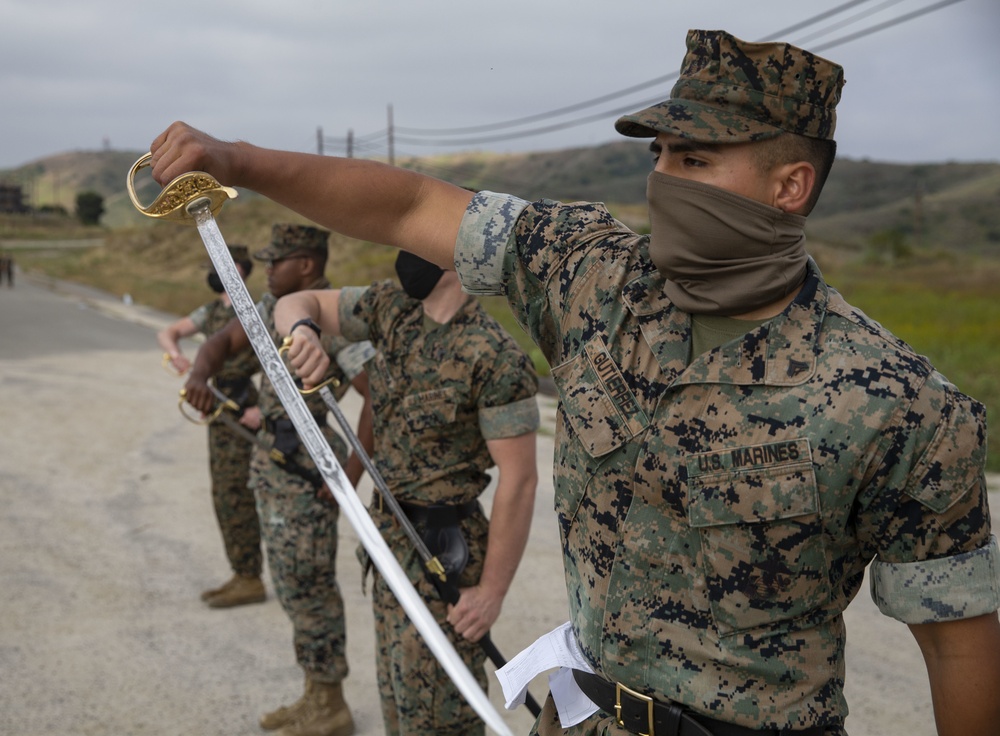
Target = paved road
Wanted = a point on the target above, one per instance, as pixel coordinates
(107, 537)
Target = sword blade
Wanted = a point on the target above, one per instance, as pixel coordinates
(377, 480)
(316, 444)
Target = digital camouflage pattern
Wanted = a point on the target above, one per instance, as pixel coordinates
(300, 529)
(229, 455)
(438, 392)
(287, 239)
(717, 517)
(731, 90)
(417, 696)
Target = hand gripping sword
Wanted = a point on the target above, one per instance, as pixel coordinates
(197, 196)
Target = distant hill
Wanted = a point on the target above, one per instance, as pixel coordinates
(937, 205)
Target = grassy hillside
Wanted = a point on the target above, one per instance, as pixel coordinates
(937, 286)
(948, 206)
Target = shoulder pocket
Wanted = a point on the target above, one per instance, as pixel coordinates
(758, 515)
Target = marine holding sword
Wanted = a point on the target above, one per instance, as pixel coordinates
(298, 516)
(736, 445)
(452, 394)
(228, 453)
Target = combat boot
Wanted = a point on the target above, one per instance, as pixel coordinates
(239, 591)
(326, 714)
(287, 714)
(206, 594)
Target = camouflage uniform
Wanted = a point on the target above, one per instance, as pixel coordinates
(300, 529)
(718, 511)
(229, 455)
(717, 516)
(438, 394)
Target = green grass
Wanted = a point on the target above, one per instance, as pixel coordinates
(945, 306)
(947, 309)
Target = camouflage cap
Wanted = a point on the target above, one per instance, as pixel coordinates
(287, 239)
(732, 91)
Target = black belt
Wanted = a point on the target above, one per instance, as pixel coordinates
(236, 385)
(431, 515)
(284, 424)
(640, 714)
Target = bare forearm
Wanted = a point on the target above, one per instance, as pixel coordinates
(298, 305)
(510, 523)
(963, 665)
(361, 199)
(170, 336)
(168, 342)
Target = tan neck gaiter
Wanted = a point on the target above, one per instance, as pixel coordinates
(722, 253)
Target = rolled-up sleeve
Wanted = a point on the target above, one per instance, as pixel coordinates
(943, 589)
(483, 239)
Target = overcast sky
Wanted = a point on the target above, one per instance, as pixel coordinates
(110, 73)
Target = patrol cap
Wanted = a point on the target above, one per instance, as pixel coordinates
(732, 91)
(287, 239)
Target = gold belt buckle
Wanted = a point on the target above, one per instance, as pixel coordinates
(619, 688)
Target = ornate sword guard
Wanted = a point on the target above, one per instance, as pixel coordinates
(173, 200)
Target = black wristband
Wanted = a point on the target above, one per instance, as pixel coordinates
(307, 321)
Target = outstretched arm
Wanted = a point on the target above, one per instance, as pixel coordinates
(306, 354)
(510, 520)
(228, 341)
(169, 339)
(963, 664)
(362, 199)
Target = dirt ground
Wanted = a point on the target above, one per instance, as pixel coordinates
(107, 537)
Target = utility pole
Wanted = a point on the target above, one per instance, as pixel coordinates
(319, 140)
(392, 153)
(350, 143)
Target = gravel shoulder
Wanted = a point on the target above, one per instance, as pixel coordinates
(108, 536)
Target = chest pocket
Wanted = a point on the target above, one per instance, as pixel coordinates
(429, 409)
(597, 402)
(757, 512)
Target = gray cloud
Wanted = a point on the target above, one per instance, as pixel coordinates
(74, 74)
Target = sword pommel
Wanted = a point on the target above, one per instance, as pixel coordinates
(175, 199)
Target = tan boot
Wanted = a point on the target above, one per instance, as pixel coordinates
(287, 714)
(238, 592)
(206, 594)
(326, 714)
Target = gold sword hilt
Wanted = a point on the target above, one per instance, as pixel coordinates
(286, 343)
(175, 198)
(207, 418)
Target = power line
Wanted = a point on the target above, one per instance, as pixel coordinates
(847, 21)
(610, 96)
(815, 19)
(887, 24)
(421, 137)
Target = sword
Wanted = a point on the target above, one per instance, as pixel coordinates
(435, 569)
(226, 412)
(198, 196)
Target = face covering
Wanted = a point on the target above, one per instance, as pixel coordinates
(215, 283)
(417, 276)
(719, 252)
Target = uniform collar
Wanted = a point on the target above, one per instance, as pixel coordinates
(781, 352)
